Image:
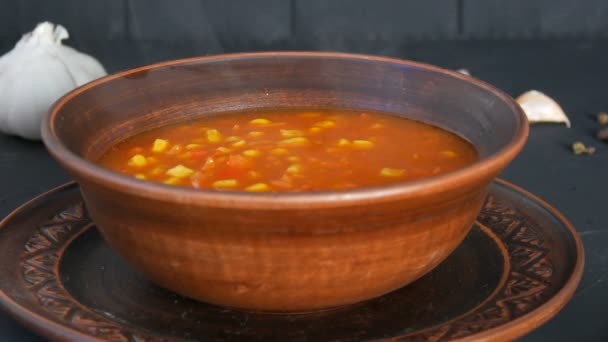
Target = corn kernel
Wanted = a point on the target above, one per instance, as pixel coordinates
(251, 153)
(180, 171)
(223, 149)
(225, 183)
(363, 144)
(140, 176)
(293, 159)
(448, 153)
(390, 172)
(326, 124)
(258, 187)
(314, 130)
(297, 142)
(279, 151)
(138, 161)
(343, 142)
(293, 169)
(214, 136)
(290, 133)
(260, 122)
(233, 138)
(160, 145)
(376, 126)
(194, 146)
(172, 181)
(255, 134)
(239, 143)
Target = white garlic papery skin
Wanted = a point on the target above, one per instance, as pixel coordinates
(37, 72)
(541, 108)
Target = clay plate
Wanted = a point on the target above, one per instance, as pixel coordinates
(517, 268)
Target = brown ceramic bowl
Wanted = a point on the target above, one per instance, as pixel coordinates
(283, 251)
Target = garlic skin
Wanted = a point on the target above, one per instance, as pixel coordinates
(37, 72)
(541, 108)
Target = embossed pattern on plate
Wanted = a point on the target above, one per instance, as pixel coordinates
(518, 266)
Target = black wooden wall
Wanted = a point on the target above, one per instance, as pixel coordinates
(155, 29)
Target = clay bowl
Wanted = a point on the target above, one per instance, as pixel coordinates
(282, 252)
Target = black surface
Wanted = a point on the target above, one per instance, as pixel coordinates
(574, 72)
(246, 23)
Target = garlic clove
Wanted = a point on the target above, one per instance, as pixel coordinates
(37, 72)
(464, 71)
(541, 108)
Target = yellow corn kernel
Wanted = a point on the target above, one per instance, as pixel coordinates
(138, 161)
(251, 153)
(376, 126)
(214, 136)
(223, 149)
(310, 115)
(260, 122)
(255, 134)
(151, 160)
(160, 145)
(290, 133)
(225, 183)
(157, 171)
(293, 159)
(343, 142)
(233, 138)
(297, 142)
(293, 169)
(258, 187)
(326, 124)
(362, 144)
(239, 143)
(390, 172)
(279, 151)
(314, 130)
(180, 171)
(140, 176)
(254, 174)
(172, 181)
(194, 146)
(448, 153)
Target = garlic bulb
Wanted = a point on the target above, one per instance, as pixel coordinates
(35, 73)
(541, 108)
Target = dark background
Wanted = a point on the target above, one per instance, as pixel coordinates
(557, 46)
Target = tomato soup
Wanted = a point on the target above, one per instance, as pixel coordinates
(290, 151)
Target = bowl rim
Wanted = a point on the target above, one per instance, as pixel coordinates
(488, 166)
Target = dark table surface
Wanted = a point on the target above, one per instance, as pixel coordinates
(574, 72)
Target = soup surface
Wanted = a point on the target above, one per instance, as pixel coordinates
(290, 151)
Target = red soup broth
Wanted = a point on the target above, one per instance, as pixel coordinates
(290, 151)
